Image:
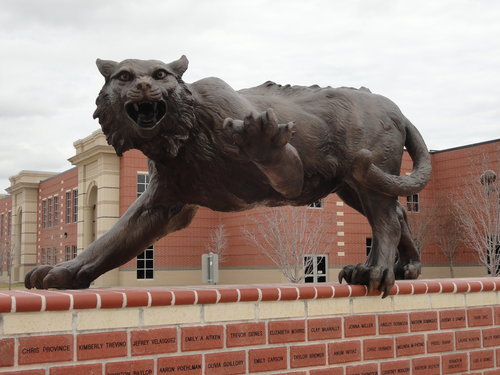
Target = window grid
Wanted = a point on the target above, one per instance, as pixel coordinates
(44, 213)
(68, 207)
(49, 212)
(369, 245)
(56, 210)
(316, 268)
(75, 205)
(67, 253)
(42, 256)
(145, 264)
(412, 203)
(317, 204)
(2, 229)
(74, 251)
(9, 223)
(142, 183)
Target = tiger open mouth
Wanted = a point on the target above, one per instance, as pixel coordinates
(146, 114)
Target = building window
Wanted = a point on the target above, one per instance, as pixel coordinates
(145, 264)
(142, 183)
(369, 244)
(412, 203)
(68, 207)
(49, 256)
(54, 257)
(67, 253)
(56, 210)
(49, 212)
(315, 268)
(317, 204)
(2, 219)
(44, 213)
(9, 223)
(74, 251)
(75, 205)
(42, 256)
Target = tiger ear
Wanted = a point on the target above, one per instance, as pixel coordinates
(178, 67)
(106, 67)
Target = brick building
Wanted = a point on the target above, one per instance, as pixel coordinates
(49, 217)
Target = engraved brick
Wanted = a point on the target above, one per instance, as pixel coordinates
(44, 349)
(480, 317)
(344, 351)
(426, 366)
(101, 345)
(25, 372)
(468, 339)
(454, 363)
(328, 371)
(368, 369)
(7, 350)
(286, 331)
(393, 323)
(184, 364)
(491, 337)
(482, 359)
(496, 312)
(153, 341)
(143, 367)
(245, 334)
(452, 319)
(359, 325)
(307, 355)
(423, 321)
(92, 369)
(440, 342)
(410, 345)
(267, 359)
(395, 367)
(324, 329)
(201, 338)
(378, 348)
(225, 363)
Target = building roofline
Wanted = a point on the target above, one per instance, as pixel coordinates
(464, 146)
(58, 174)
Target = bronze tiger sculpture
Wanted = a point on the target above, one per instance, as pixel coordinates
(271, 145)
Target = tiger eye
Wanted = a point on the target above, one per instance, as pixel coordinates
(159, 74)
(124, 76)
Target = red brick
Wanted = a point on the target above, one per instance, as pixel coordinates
(395, 367)
(307, 355)
(248, 294)
(136, 298)
(344, 351)
(323, 291)
(184, 364)
(27, 302)
(482, 359)
(324, 329)
(7, 350)
(480, 317)
(143, 367)
(491, 337)
(101, 345)
(426, 366)
(423, 321)
(468, 339)
(269, 294)
(328, 371)
(489, 372)
(307, 292)
(161, 297)
(496, 312)
(392, 323)
(410, 345)
(286, 331)
(378, 348)
(228, 295)
(44, 349)
(153, 341)
(342, 291)
(225, 363)
(245, 334)
(206, 296)
(267, 359)
(84, 299)
(359, 325)
(5, 303)
(368, 369)
(440, 342)
(93, 369)
(201, 338)
(288, 294)
(110, 299)
(25, 372)
(452, 319)
(453, 363)
(498, 357)
(184, 297)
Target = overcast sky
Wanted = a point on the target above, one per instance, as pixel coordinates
(438, 60)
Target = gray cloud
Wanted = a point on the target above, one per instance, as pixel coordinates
(438, 61)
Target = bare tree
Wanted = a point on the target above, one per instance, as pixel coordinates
(286, 235)
(421, 225)
(218, 242)
(479, 214)
(447, 229)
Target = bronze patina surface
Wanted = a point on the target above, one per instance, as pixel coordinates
(271, 145)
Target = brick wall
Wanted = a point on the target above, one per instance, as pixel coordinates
(423, 327)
